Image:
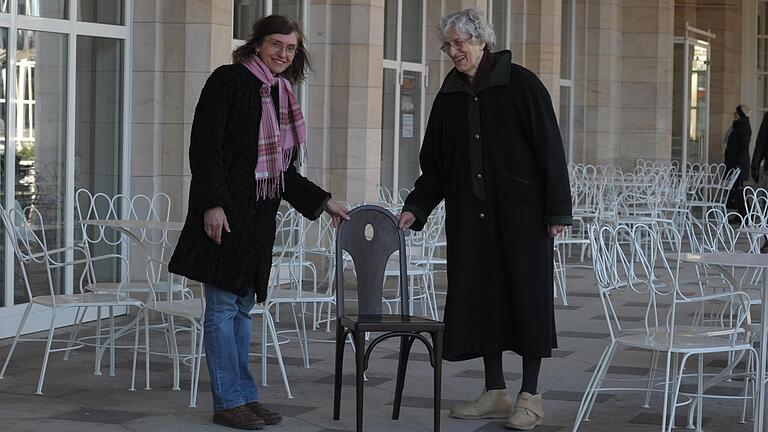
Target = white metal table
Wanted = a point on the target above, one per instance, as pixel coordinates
(744, 260)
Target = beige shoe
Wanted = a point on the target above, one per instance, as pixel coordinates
(528, 413)
(491, 404)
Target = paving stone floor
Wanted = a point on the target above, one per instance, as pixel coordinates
(77, 400)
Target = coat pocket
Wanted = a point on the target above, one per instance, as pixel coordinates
(519, 188)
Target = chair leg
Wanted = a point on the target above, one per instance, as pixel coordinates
(97, 362)
(193, 367)
(196, 372)
(47, 353)
(651, 378)
(264, 332)
(112, 341)
(359, 338)
(406, 342)
(79, 316)
(278, 354)
(175, 348)
(437, 347)
(341, 334)
(146, 350)
(16, 339)
(135, 351)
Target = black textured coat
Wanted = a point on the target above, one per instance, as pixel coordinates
(497, 159)
(737, 147)
(222, 159)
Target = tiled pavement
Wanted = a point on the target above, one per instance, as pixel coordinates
(76, 400)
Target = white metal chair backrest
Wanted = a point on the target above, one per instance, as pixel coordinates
(94, 207)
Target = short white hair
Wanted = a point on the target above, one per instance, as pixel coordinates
(469, 21)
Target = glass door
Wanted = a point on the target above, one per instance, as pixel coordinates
(690, 111)
(403, 91)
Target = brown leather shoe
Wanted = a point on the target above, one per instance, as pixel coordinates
(239, 417)
(269, 417)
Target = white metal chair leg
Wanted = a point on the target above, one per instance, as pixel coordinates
(47, 353)
(675, 393)
(175, 347)
(651, 378)
(112, 341)
(146, 348)
(193, 367)
(97, 361)
(196, 374)
(16, 339)
(79, 316)
(135, 352)
(593, 383)
(601, 377)
(264, 329)
(278, 354)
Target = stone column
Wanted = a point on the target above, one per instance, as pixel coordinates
(646, 80)
(542, 45)
(176, 45)
(347, 43)
(598, 81)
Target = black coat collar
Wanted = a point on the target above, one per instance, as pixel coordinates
(499, 76)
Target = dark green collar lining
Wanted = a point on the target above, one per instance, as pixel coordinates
(499, 76)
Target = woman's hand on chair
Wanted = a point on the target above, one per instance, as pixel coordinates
(336, 211)
(406, 219)
(554, 230)
(214, 221)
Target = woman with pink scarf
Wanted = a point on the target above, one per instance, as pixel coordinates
(247, 132)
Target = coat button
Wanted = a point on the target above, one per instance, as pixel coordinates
(479, 176)
(482, 215)
(477, 136)
(475, 98)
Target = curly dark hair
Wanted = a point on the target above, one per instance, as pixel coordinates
(263, 27)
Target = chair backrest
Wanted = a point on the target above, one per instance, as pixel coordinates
(370, 237)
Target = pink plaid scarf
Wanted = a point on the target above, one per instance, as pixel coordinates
(277, 140)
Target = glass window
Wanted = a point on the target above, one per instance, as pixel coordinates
(410, 129)
(100, 11)
(388, 130)
(246, 12)
(98, 128)
(390, 30)
(40, 138)
(44, 8)
(412, 26)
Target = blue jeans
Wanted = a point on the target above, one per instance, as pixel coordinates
(227, 329)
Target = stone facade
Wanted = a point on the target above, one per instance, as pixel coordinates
(622, 86)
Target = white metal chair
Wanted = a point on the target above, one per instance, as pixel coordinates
(643, 270)
(26, 230)
(188, 309)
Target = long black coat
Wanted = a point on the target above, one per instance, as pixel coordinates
(737, 147)
(222, 158)
(497, 159)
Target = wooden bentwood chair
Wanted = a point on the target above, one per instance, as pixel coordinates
(370, 237)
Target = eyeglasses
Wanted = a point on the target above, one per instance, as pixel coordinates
(278, 46)
(457, 44)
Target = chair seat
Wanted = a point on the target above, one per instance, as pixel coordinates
(293, 296)
(187, 308)
(87, 300)
(659, 341)
(390, 322)
(137, 287)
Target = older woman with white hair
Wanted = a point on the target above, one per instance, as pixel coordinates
(492, 150)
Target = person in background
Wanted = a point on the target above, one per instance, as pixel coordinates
(493, 151)
(737, 155)
(247, 132)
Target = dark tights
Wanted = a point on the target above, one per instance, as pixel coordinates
(494, 373)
